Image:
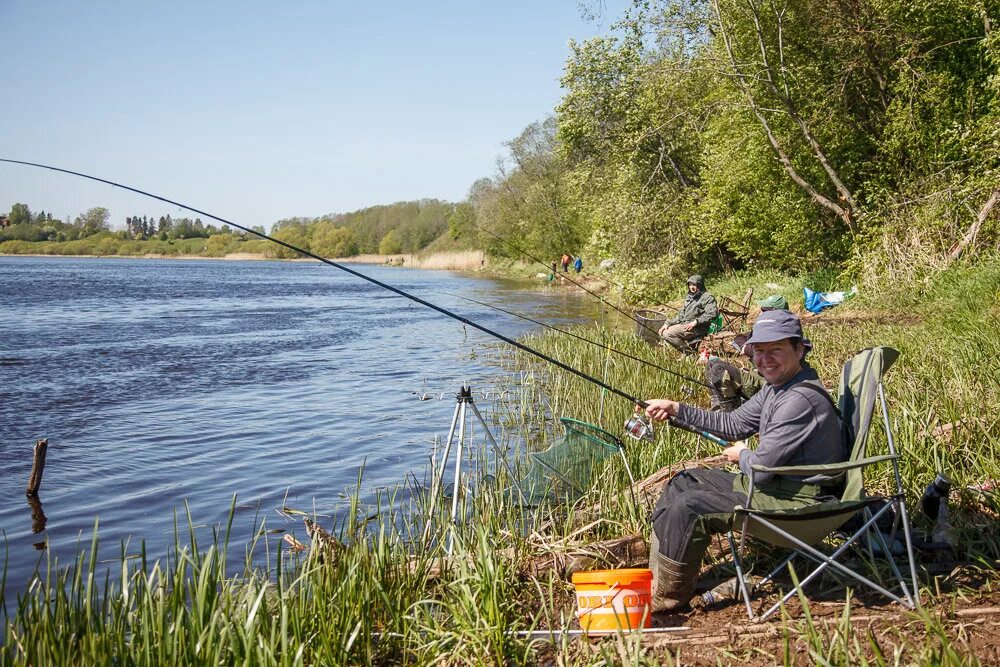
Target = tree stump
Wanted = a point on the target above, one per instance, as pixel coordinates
(37, 466)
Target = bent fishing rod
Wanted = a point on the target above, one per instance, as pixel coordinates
(565, 276)
(395, 290)
(579, 337)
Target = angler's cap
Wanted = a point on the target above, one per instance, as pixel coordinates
(775, 325)
(774, 302)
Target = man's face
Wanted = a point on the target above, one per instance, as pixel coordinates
(692, 288)
(779, 361)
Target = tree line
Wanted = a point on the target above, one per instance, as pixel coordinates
(789, 135)
(402, 227)
(390, 229)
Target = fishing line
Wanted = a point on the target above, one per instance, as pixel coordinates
(395, 290)
(579, 337)
(565, 276)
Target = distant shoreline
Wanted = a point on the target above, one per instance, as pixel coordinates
(466, 260)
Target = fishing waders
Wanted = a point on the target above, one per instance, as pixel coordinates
(695, 503)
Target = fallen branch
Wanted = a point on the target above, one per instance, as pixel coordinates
(628, 551)
(970, 236)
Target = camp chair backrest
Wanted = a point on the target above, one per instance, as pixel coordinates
(857, 393)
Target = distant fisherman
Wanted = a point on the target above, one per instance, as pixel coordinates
(692, 321)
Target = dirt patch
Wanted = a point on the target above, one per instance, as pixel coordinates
(722, 634)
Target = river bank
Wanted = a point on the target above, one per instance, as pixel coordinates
(382, 591)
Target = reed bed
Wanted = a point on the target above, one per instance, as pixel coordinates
(390, 594)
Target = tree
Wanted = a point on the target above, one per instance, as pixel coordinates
(93, 221)
(293, 235)
(329, 240)
(528, 203)
(761, 71)
(390, 244)
(218, 244)
(20, 214)
(462, 222)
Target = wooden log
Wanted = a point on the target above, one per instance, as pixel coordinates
(648, 490)
(628, 551)
(37, 467)
(327, 543)
(294, 544)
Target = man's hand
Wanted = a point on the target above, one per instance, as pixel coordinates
(690, 325)
(733, 452)
(661, 409)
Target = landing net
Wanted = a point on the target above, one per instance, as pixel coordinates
(565, 471)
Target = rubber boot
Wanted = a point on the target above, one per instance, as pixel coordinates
(673, 582)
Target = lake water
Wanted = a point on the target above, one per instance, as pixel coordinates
(160, 382)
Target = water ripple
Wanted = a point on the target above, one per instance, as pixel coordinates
(168, 385)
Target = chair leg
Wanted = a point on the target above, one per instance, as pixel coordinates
(778, 569)
(829, 561)
(738, 562)
(915, 598)
(892, 562)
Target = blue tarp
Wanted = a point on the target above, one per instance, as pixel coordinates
(817, 302)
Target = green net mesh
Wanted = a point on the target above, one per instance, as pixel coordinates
(565, 471)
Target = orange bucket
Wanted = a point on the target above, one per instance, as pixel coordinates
(613, 600)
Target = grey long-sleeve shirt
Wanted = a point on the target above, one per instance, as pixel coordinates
(797, 424)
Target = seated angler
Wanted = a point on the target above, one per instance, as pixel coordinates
(797, 424)
(692, 321)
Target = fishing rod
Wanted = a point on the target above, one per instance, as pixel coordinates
(395, 290)
(565, 276)
(578, 337)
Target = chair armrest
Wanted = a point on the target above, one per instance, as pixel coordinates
(825, 468)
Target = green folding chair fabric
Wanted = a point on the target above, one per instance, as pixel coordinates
(802, 529)
(716, 325)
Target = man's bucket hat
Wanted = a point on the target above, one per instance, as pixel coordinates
(775, 325)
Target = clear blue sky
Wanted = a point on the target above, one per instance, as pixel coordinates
(257, 111)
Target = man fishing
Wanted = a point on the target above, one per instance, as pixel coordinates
(692, 321)
(797, 424)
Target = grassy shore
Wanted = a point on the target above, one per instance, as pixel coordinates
(386, 594)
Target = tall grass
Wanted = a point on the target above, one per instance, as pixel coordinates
(391, 594)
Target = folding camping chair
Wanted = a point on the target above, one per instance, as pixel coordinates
(734, 314)
(803, 529)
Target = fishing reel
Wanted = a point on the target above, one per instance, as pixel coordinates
(638, 427)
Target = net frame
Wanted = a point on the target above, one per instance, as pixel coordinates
(559, 472)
